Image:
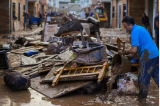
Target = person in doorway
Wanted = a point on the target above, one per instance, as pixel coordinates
(14, 16)
(145, 22)
(55, 14)
(28, 20)
(91, 14)
(148, 52)
(24, 24)
(40, 19)
(87, 15)
(156, 28)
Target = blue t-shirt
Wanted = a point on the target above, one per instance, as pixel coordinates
(141, 38)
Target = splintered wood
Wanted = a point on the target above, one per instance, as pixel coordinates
(69, 73)
(26, 49)
(41, 66)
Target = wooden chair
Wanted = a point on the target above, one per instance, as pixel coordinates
(119, 48)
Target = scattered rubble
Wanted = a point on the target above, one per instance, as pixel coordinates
(72, 56)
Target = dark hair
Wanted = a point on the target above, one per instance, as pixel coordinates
(145, 14)
(128, 20)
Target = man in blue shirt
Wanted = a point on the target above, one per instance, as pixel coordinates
(142, 43)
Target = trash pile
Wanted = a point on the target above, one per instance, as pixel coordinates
(70, 60)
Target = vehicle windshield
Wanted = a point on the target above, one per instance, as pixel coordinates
(99, 11)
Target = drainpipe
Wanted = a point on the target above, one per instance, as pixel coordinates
(155, 7)
(127, 8)
(11, 6)
(26, 5)
(111, 15)
(40, 6)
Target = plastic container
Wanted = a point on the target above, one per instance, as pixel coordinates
(30, 53)
(134, 61)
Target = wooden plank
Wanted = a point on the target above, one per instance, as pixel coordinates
(56, 79)
(50, 76)
(76, 75)
(73, 32)
(25, 49)
(102, 72)
(74, 68)
(52, 56)
(79, 78)
(57, 91)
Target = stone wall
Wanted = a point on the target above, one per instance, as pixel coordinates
(5, 17)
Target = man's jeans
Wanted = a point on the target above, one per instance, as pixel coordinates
(26, 24)
(148, 68)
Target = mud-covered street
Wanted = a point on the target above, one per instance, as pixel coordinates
(31, 97)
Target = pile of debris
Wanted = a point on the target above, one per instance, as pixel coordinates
(69, 61)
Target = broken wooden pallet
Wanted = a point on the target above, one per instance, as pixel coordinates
(26, 49)
(80, 72)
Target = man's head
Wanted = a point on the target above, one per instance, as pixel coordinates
(128, 23)
(144, 14)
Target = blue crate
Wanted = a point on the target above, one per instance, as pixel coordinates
(35, 20)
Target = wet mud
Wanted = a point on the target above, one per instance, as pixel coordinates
(32, 98)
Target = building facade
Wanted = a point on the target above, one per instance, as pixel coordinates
(44, 4)
(135, 9)
(34, 7)
(87, 6)
(8, 9)
(107, 5)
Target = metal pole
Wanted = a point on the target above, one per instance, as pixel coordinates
(111, 14)
(27, 5)
(155, 7)
(11, 15)
(40, 6)
(127, 8)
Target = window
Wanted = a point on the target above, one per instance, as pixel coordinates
(124, 10)
(35, 11)
(113, 11)
(19, 11)
(24, 8)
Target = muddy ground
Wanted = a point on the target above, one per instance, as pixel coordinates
(31, 97)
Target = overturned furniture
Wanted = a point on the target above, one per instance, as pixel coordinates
(119, 42)
(92, 55)
(81, 73)
(93, 25)
(120, 65)
(69, 27)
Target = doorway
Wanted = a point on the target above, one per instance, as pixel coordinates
(19, 11)
(119, 16)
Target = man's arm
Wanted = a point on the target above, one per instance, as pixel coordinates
(132, 50)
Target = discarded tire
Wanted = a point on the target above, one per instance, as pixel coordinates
(17, 81)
